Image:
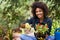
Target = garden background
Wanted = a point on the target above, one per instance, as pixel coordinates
(14, 12)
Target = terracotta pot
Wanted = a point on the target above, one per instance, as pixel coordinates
(1, 38)
(38, 35)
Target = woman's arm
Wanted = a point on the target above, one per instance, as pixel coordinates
(49, 26)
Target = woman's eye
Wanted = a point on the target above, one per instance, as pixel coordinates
(36, 11)
(40, 11)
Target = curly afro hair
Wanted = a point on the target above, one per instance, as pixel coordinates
(40, 5)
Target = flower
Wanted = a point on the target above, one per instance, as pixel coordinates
(27, 26)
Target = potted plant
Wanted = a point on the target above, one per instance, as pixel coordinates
(40, 31)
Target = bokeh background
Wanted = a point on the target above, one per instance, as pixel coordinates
(15, 12)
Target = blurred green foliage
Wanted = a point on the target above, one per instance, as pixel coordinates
(55, 25)
(14, 12)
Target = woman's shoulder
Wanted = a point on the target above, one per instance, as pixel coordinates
(48, 19)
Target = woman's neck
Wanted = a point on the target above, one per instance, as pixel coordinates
(41, 20)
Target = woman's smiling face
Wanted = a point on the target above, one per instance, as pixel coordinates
(39, 13)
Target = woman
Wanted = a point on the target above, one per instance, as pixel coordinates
(40, 12)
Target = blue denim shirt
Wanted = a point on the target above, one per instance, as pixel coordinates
(46, 20)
